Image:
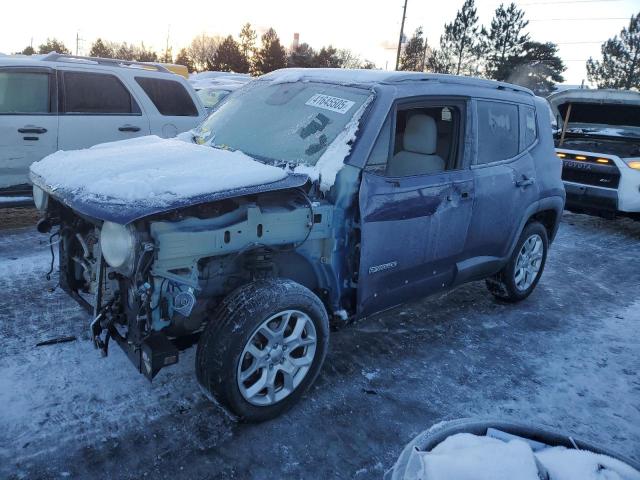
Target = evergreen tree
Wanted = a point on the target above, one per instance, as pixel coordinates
(412, 57)
(459, 46)
(183, 59)
(53, 45)
(100, 49)
(272, 55)
(248, 46)
(301, 57)
(538, 67)
(143, 55)
(620, 64)
(327, 57)
(167, 55)
(29, 50)
(438, 62)
(229, 58)
(504, 40)
(125, 52)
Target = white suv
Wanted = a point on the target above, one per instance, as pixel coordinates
(63, 102)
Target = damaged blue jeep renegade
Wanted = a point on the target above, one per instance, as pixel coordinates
(308, 198)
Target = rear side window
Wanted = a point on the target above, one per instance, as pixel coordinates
(169, 97)
(24, 92)
(498, 131)
(528, 126)
(96, 93)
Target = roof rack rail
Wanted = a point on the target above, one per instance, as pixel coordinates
(60, 57)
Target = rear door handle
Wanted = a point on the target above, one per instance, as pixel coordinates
(32, 130)
(525, 182)
(129, 128)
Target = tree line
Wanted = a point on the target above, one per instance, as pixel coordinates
(504, 51)
(242, 55)
(501, 51)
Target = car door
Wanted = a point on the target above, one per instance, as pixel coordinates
(28, 121)
(414, 222)
(96, 108)
(175, 109)
(504, 174)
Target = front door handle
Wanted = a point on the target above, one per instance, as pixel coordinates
(525, 182)
(129, 128)
(30, 129)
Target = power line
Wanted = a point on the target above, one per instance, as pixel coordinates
(578, 43)
(569, 1)
(576, 19)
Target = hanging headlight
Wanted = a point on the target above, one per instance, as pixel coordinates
(118, 245)
(40, 198)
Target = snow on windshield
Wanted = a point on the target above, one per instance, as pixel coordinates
(151, 171)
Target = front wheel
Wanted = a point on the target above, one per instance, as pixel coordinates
(263, 348)
(521, 274)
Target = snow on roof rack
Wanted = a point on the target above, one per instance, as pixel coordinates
(114, 62)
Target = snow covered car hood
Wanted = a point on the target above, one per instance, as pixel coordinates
(131, 179)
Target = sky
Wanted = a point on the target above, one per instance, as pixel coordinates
(369, 28)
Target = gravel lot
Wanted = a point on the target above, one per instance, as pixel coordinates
(568, 358)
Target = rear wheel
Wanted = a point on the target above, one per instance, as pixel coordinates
(264, 348)
(521, 274)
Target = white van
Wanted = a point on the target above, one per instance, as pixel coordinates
(63, 102)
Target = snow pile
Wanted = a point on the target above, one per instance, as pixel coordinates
(151, 171)
(343, 76)
(469, 457)
(332, 160)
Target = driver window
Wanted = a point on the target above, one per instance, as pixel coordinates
(424, 142)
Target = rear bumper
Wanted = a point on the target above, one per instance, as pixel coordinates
(591, 198)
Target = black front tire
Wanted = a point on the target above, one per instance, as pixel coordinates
(235, 322)
(503, 284)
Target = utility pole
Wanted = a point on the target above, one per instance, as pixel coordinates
(166, 48)
(404, 15)
(78, 40)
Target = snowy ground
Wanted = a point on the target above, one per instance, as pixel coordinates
(568, 357)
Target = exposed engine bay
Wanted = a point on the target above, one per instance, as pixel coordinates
(182, 264)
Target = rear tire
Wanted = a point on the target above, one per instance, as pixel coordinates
(519, 277)
(263, 348)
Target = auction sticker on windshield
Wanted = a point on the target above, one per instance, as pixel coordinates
(327, 102)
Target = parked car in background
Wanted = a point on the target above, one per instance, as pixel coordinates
(63, 102)
(313, 197)
(213, 87)
(598, 140)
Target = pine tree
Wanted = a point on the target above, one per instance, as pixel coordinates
(167, 55)
(100, 49)
(248, 45)
(229, 58)
(53, 45)
(183, 59)
(272, 55)
(327, 57)
(29, 50)
(504, 40)
(125, 52)
(301, 57)
(538, 67)
(412, 57)
(620, 64)
(143, 55)
(459, 46)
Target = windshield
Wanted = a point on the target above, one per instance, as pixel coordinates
(212, 96)
(282, 123)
